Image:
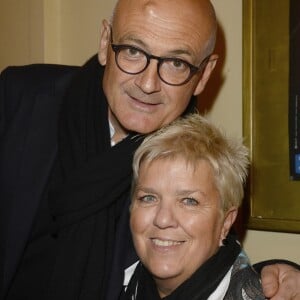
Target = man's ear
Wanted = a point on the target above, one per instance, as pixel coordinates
(104, 42)
(206, 74)
(228, 221)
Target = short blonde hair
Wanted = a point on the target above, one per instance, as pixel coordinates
(194, 138)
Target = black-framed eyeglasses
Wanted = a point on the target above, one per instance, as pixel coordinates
(173, 71)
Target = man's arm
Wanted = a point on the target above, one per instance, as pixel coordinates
(280, 279)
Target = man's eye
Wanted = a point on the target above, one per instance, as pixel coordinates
(178, 64)
(175, 65)
(190, 202)
(133, 52)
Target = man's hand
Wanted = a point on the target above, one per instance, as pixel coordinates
(281, 282)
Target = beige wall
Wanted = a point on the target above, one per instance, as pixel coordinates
(66, 31)
(21, 32)
(52, 31)
(77, 29)
(227, 111)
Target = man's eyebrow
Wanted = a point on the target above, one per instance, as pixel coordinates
(180, 52)
(129, 38)
(143, 45)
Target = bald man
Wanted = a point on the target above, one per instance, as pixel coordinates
(67, 139)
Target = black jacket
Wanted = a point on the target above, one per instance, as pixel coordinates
(30, 99)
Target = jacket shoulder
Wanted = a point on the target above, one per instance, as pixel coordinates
(22, 83)
(24, 76)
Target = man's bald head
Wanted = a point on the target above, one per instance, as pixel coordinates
(198, 15)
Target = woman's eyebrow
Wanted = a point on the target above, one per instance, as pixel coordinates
(189, 192)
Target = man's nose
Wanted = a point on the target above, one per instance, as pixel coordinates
(148, 81)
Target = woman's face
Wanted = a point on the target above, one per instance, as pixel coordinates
(176, 219)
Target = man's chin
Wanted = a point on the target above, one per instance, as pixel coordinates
(141, 125)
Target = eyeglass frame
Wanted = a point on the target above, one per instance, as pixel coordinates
(193, 69)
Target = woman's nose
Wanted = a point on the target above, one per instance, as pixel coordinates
(165, 217)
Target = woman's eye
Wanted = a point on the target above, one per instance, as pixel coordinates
(190, 202)
(146, 198)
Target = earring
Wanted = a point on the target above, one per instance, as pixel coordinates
(225, 242)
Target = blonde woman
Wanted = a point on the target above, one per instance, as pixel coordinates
(187, 187)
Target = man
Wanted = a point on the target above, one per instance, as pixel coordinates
(67, 139)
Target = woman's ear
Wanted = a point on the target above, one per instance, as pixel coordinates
(228, 221)
(209, 67)
(104, 42)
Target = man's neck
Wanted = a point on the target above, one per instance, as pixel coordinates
(118, 132)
